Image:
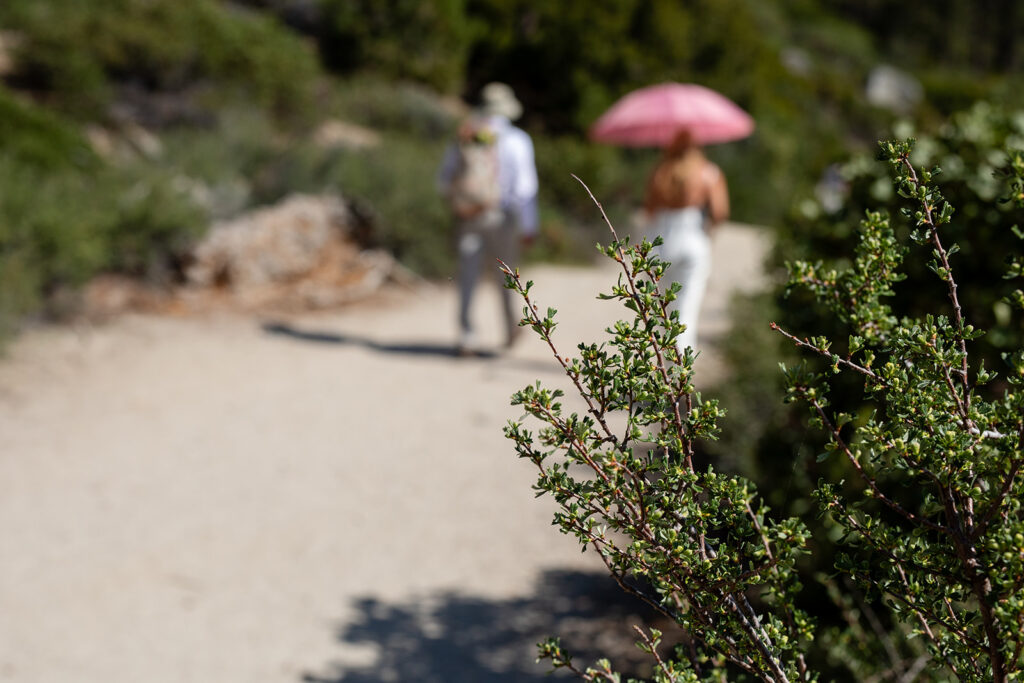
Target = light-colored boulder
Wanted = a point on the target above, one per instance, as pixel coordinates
(274, 244)
(893, 89)
(9, 43)
(297, 255)
(336, 133)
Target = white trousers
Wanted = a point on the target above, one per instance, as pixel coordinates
(687, 247)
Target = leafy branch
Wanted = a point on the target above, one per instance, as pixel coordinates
(936, 538)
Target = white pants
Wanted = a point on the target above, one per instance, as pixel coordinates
(687, 247)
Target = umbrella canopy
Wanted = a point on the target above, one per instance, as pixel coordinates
(653, 116)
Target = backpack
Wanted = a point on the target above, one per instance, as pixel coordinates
(475, 188)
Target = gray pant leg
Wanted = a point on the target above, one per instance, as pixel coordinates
(471, 247)
(504, 244)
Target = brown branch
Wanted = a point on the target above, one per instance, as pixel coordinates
(870, 481)
(1004, 490)
(981, 586)
(654, 652)
(803, 343)
(538, 323)
(772, 566)
(950, 281)
(631, 279)
(927, 629)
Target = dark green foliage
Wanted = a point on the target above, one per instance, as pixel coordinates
(927, 515)
(394, 182)
(969, 149)
(66, 215)
(58, 228)
(567, 77)
(176, 66)
(695, 544)
(756, 420)
(984, 35)
(762, 438)
(619, 176)
(392, 107)
(798, 67)
(939, 463)
(243, 161)
(73, 53)
(37, 138)
(406, 39)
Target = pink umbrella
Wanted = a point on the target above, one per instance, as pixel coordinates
(653, 116)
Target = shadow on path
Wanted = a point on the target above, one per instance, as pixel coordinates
(281, 329)
(455, 638)
(323, 337)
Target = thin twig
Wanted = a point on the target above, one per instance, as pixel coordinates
(803, 343)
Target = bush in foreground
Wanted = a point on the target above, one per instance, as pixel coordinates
(934, 530)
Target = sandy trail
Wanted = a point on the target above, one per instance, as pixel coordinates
(327, 497)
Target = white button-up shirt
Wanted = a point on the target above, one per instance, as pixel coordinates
(517, 172)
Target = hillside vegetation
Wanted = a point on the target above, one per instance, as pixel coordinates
(127, 125)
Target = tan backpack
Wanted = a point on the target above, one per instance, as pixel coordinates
(475, 186)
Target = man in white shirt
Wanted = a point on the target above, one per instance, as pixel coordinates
(495, 233)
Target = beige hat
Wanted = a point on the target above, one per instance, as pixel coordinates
(497, 99)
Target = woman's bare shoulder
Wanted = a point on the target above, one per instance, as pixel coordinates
(711, 171)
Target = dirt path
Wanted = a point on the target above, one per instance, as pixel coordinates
(327, 497)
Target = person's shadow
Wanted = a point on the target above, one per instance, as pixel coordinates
(454, 638)
(409, 348)
(324, 337)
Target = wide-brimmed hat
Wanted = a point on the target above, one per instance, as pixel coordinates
(497, 99)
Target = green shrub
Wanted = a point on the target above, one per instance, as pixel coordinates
(966, 148)
(931, 523)
(776, 443)
(398, 39)
(68, 226)
(40, 139)
(74, 52)
(395, 184)
(66, 215)
(969, 149)
(396, 107)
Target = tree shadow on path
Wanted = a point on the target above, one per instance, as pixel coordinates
(455, 638)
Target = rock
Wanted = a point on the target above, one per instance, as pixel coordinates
(128, 142)
(336, 133)
(108, 295)
(9, 43)
(893, 89)
(796, 61)
(144, 142)
(274, 244)
(102, 141)
(299, 254)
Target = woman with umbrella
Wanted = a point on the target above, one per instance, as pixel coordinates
(686, 198)
(686, 194)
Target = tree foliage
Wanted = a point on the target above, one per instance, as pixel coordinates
(932, 527)
(421, 41)
(74, 53)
